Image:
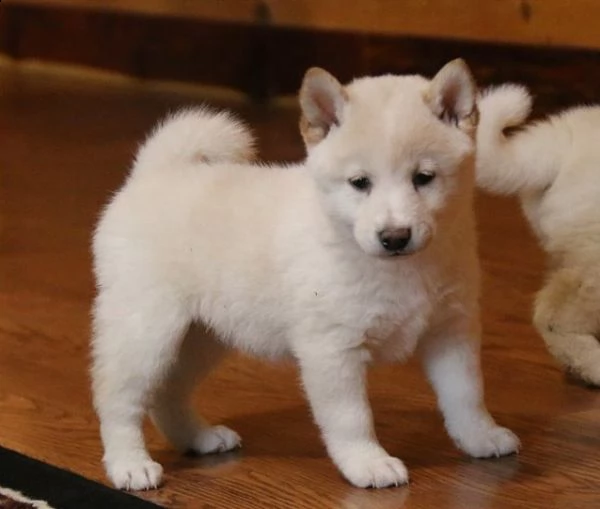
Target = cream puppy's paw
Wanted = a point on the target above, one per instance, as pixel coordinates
(489, 441)
(590, 372)
(373, 469)
(216, 439)
(135, 474)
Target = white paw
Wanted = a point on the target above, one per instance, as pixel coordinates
(216, 439)
(590, 372)
(375, 471)
(489, 441)
(142, 474)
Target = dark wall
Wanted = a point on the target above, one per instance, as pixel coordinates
(265, 61)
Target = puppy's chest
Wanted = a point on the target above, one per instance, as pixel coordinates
(397, 324)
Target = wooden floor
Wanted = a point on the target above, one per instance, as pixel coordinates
(65, 143)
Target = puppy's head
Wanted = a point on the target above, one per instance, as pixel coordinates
(392, 155)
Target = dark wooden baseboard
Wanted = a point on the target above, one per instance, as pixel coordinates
(265, 61)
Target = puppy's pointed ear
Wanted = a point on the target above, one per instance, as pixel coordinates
(452, 96)
(322, 100)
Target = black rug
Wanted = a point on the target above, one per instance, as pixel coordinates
(26, 483)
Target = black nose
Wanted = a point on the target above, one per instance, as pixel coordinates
(395, 240)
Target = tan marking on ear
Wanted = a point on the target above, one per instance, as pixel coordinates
(469, 123)
(311, 134)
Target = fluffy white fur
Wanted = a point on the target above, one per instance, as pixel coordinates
(554, 165)
(198, 251)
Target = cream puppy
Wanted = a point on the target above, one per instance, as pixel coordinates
(554, 166)
(366, 251)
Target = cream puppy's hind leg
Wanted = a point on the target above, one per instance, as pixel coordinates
(566, 316)
(451, 361)
(171, 410)
(135, 341)
(335, 383)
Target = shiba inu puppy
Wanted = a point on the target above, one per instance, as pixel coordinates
(365, 251)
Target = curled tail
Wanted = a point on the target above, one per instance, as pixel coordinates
(522, 162)
(499, 169)
(502, 107)
(195, 136)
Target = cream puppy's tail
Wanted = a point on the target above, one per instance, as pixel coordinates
(195, 136)
(522, 162)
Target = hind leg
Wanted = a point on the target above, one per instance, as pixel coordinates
(567, 316)
(171, 411)
(135, 341)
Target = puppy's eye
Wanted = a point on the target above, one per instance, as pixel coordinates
(360, 183)
(422, 178)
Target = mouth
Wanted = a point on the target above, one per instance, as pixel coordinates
(396, 254)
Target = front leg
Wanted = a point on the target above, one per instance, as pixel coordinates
(335, 383)
(451, 360)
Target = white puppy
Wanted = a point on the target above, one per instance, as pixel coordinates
(366, 251)
(554, 166)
